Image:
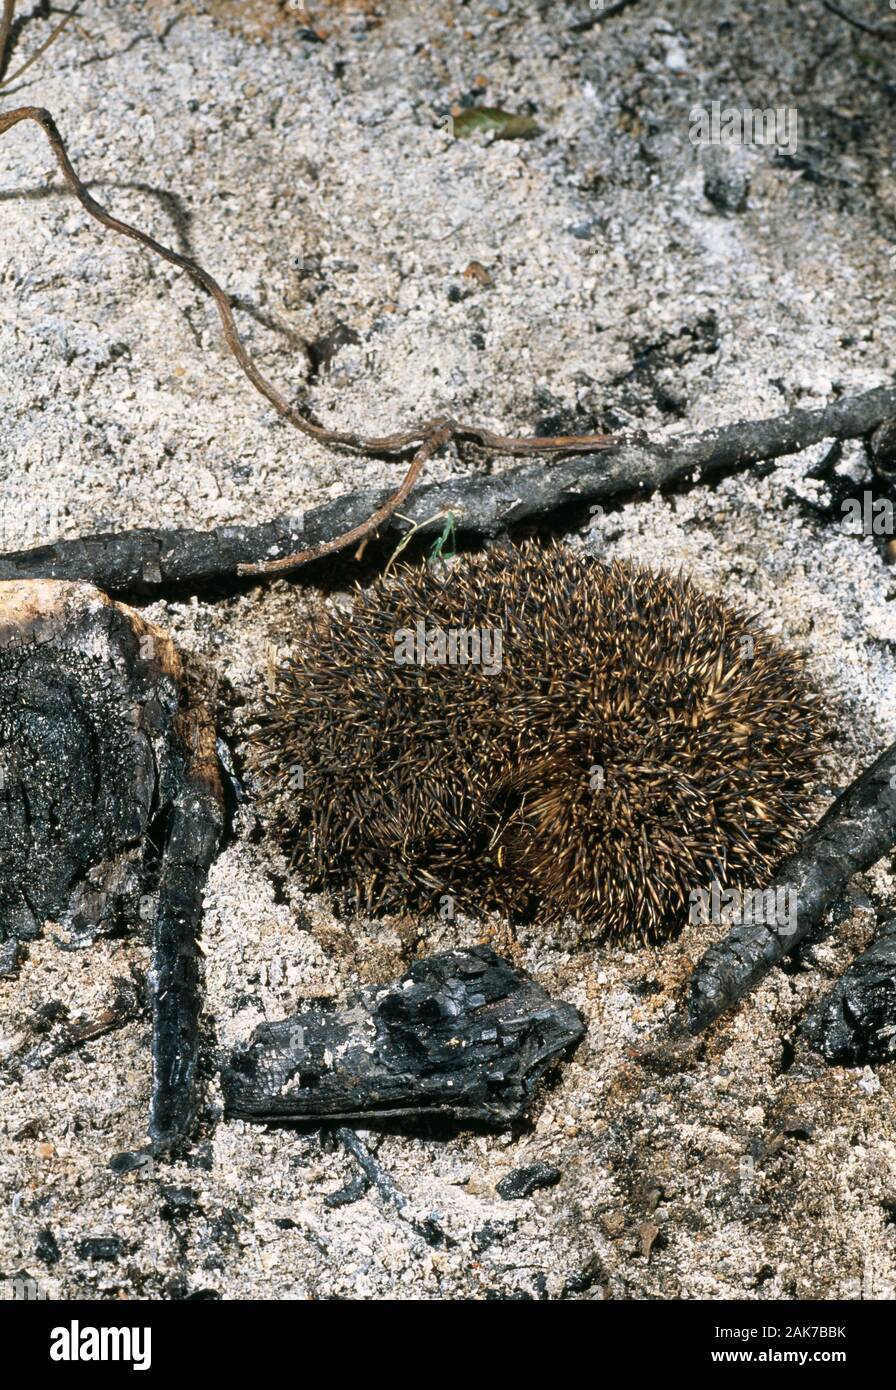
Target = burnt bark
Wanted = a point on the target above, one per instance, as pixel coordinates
(855, 1024)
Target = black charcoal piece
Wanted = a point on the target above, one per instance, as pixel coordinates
(522, 1182)
(100, 1248)
(462, 1035)
(857, 1020)
(130, 1161)
(47, 1247)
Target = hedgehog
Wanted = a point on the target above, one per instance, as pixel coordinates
(533, 731)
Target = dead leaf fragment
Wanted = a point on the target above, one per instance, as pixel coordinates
(477, 271)
(502, 124)
(647, 1234)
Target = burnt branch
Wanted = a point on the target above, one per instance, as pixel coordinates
(194, 830)
(50, 1033)
(374, 1175)
(484, 505)
(149, 560)
(852, 835)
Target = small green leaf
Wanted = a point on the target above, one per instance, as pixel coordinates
(437, 548)
(491, 118)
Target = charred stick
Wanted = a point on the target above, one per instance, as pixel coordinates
(147, 560)
(462, 1036)
(353, 1190)
(192, 841)
(52, 1034)
(854, 833)
(631, 466)
(377, 1176)
(288, 563)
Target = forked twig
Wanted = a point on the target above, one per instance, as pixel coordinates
(377, 1177)
(38, 52)
(426, 439)
(431, 445)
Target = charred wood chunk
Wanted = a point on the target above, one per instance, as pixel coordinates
(462, 1035)
(88, 700)
(856, 1022)
(522, 1182)
(110, 802)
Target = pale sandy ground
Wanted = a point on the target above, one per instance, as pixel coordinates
(319, 181)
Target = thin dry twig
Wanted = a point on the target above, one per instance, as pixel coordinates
(426, 439)
(39, 51)
(877, 32)
(6, 42)
(6, 19)
(430, 446)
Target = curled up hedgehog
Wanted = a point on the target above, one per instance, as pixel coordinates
(535, 731)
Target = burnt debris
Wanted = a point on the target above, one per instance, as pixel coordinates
(856, 1021)
(522, 1182)
(463, 1035)
(854, 833)
(110, 803)
(84, 714)
(50, 1033)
